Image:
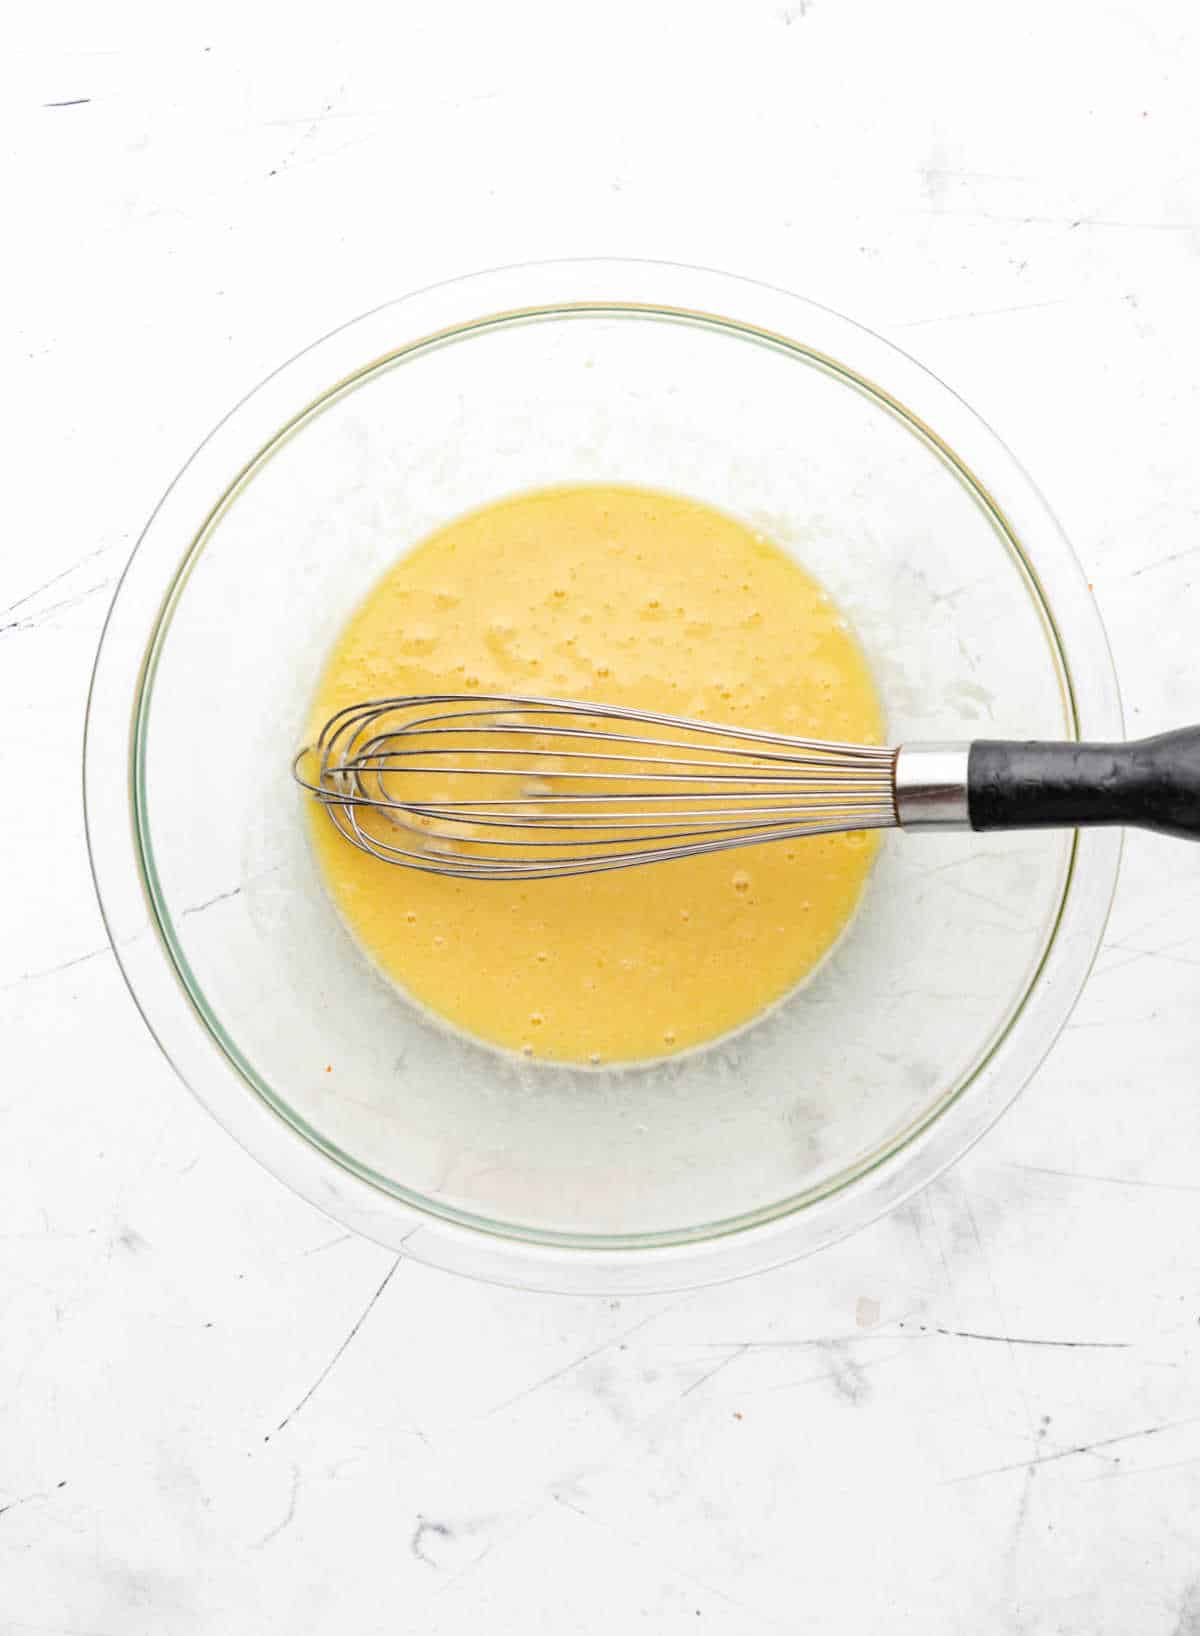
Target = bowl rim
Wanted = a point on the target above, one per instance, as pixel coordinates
(122, 868)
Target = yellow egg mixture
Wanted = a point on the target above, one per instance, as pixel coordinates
(632, 598)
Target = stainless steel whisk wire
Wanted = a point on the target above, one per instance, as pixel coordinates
(597, 788)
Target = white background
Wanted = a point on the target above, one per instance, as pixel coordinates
(980, 1415)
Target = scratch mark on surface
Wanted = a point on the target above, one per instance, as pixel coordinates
(838, 1376)
(296, 163)
(329, 1244)
(1145, 926)
(1078, 1448)
(31, 621)
(1166, 952)
(1018, 1379)
(982, 312)
(310, 128)
(1112, 1181)
(509, 1535)
(1161, 562)
(577, 1363)
(68, 102)
(222, 897)
(50, 971)
(424, 1526)
(1114, 1022)
(1061, 221)
(288, 1517)
(738, 1352)
(218, 897)
(854, 1337)
(313, 120)
(955, 863)
(55, 579)
(548, 1380)
(984, 897)
(1023, 1500)
(925, 1203)
(361, 1320)
(1018, 1340)
(467, 1568)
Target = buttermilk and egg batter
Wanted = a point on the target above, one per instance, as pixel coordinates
(631, 598)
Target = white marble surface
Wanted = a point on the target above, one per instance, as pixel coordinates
(219, 1415)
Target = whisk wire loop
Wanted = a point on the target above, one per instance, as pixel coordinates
(506, 787)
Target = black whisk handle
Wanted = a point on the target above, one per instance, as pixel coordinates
(1153, 783)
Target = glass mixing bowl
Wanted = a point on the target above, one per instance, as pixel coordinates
(966, 955)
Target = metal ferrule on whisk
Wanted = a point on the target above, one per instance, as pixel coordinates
(931, 786)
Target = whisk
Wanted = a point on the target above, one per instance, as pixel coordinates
(504, 787)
